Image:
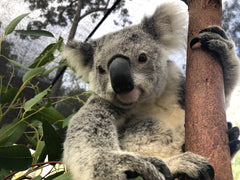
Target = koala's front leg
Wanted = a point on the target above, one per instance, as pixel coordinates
(215, 40)
(190, 165)
(92, 151)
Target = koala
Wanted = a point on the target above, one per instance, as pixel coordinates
(133, 123)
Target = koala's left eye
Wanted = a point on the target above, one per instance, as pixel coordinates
(142, 58)
(101, 70)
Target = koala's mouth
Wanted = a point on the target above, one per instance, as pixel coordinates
(129, 97)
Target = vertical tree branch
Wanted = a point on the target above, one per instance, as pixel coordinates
(206, 125)
(75, 21)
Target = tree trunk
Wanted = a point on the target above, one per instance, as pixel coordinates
(205, 124)
(58, 79)
(75, 21)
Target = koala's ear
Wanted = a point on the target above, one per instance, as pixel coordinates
(79, 57)
(168, 24)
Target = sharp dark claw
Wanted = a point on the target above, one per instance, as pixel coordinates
(234, 147)
(229, 125)
(194, 41)
(233, 133)
(211, 172)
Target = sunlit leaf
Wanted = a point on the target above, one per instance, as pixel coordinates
(10, 133)
(33, 73)
(51, 115)
(36, 99)
(66, 176)
(66, 121)
(39, 151)
(11, 27)
(17, 157)
(55, 175)
(45, 57)
(64, 63)
(35, 33)
(37, 178)
(18, 64)
(48, 54)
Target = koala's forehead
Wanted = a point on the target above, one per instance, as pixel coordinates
(125, 41)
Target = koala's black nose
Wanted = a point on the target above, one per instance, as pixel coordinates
(120, 74)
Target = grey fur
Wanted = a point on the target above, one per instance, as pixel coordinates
(141, 131)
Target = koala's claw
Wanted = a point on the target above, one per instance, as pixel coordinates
(233, 135)
(161, 167)
(190, 165)
(215, 29)
(213, 38)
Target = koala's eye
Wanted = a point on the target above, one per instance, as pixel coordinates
(101, 70)
(142, 58)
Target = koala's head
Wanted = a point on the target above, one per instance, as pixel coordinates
(130, 66)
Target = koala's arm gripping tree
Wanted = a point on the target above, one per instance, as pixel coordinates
(205, 103)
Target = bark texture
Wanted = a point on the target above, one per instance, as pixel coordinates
(206, 125)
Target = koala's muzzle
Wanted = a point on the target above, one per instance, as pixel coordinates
(120, 73)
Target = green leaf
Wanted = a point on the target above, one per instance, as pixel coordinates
(17, 157)
(48, 54)
(3, 89)
(35, 33)
(66, 176)
(33, 73)
(11, 133)
(51, 115)
(37, 178)
(36, 99)
(11, 27)
(62, 64)
(138, 178)
(55, 175)
(66, 121)
(4, 173)
(45, 57)
(18, 64)
(9, 95)
(52, 141)
(39, 151)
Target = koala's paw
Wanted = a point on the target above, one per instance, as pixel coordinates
(215, 40)
(190, 165)
(125, 166)
(233, 135)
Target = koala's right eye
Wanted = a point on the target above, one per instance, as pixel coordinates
(101, 70)
(142, 58)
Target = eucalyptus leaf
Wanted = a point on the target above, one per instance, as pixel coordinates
(66, 176)
(11, 133)
(51, 115)
(35, 33)
(11, 27)
(9, 95)
(45, 57)
(33, 73)
(55, 175)
(53, 142)
(16, 157)
(36, 99)
(37, 178)
(18, 64)
(39, 151)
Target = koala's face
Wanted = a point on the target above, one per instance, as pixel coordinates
(129, 68)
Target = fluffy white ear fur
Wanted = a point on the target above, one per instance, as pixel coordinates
(75, 60)
(171, 23)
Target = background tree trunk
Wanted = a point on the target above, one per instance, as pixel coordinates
(206, 125)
